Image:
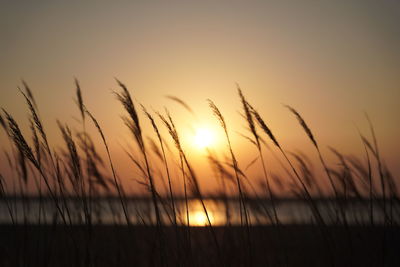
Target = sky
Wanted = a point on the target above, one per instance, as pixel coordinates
(331, 60)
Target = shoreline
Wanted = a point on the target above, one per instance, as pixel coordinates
(286, 245)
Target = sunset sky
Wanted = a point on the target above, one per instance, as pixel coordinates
(331, 60)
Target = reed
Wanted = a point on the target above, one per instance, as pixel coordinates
(171, 193)
(221, 119)
(121, 196)
(242, 204)
(314, 142)
(249, 112)
(74, 176)
(193, 180)
(133, 123)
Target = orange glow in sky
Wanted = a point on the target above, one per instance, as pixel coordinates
(331, 60)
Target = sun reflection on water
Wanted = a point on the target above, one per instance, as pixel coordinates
(198, 217)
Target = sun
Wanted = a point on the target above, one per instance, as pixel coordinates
(203, 138)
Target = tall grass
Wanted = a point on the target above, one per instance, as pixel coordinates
(76, 171)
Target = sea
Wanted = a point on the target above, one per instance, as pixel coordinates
(217, 211)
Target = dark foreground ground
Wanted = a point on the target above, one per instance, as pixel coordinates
(140, 246)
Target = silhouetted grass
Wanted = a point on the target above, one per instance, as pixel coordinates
(76, 182)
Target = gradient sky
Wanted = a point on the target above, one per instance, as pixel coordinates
(331, 60)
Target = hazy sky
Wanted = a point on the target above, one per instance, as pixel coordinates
(331, 60)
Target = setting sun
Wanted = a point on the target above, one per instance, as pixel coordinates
(203, 138)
